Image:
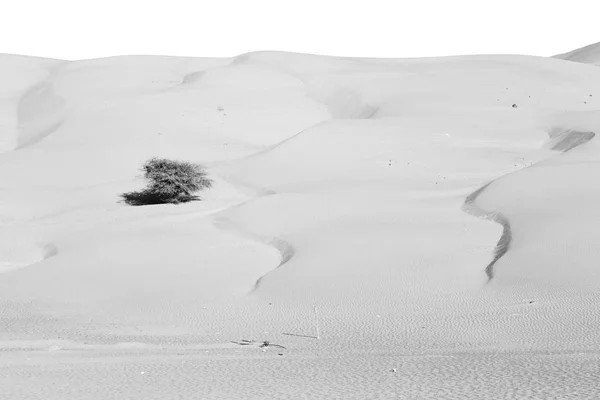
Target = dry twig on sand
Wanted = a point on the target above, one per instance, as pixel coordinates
(265, 343)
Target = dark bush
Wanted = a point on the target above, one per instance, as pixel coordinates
(169, 182)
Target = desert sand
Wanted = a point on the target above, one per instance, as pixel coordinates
(432, 221)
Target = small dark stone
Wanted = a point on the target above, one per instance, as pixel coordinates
(514, 106)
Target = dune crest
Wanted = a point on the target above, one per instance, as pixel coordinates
(14, 256)
(562, 141)
(589, 54)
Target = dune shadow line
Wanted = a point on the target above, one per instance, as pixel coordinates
(564, 141)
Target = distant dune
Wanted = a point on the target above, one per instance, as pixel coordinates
(354, 200)
(588, 54)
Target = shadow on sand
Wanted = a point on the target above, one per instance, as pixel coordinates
(562, 141)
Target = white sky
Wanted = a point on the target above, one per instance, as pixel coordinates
(77, 29)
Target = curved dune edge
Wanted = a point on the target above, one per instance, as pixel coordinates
(342, 101)
(29, 256)
(470, 207)
(564, 141)
(333, 98)
(285, 249)
(40, 111)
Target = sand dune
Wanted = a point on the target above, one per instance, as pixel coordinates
(341, 186)
(588, 54)
(562, 141)
(18, 255)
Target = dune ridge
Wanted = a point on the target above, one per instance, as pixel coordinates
(341, 102)
(20, 255)
(285, 249)
(40, 111)
(564, 141)
(587, 54)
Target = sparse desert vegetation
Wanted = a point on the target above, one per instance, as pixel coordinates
(169, 181)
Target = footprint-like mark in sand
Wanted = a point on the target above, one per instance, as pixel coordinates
(562, 141)
(19, 256)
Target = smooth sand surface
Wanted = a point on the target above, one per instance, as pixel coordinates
(354, 200)
(588, 54)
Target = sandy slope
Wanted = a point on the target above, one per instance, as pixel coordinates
(588, 54)
(340, 184)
